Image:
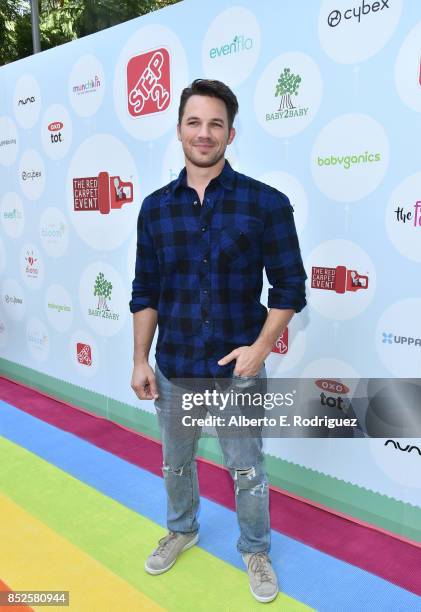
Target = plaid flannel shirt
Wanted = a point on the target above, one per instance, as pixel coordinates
(201, 268)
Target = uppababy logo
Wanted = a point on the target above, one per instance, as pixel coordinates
(357, 12)
(148, 83)
(348, 160)
(288, 85)
(337, 279)
(101, 193)
(405, 449)
(391, 338)
(238, 44)
(103, 289)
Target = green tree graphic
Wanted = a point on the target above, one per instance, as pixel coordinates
(103, 290)
(288, 84)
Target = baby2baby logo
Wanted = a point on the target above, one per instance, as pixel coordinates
(287, 87)
(103, 290)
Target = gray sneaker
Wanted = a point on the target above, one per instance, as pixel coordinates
(167, 551)
(263, 581)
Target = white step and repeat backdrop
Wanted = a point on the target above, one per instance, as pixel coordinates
(330, 103)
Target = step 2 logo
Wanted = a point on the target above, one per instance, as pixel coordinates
(281, 344)
(102, 290)
(148, 83)
(413, 217)
(84, 353)
(288, 85)
(391, 338)
(55, 131)
(102, 193)
(337, 279)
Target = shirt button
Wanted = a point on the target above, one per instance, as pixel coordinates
(203, 228)
(195, 203)
(207, 322)
(205, 291)
(205, 260)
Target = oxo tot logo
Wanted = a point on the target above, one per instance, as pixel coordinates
(148, 83)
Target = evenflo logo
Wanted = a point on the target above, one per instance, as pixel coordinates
(337, 279)
(148, 83)
(101, 193)
(239, 43)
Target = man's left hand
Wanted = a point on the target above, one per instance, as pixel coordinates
(249, 360)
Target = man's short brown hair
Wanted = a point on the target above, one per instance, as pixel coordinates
(213, 89)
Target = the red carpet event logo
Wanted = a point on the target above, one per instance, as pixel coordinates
(148, 83)
(337, 279)
(412, 217)
(101, 193)
(281, 345)
(84, 353)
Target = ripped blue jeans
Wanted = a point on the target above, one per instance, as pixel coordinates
(242, 455)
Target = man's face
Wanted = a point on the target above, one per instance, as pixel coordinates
(203, 131)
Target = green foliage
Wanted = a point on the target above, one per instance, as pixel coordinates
(62, 21)
(288, 83)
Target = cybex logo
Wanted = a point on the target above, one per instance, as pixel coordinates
(335, 16)
(24, 102)
(238, 44)
(407, 449)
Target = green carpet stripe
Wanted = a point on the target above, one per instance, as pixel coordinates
(120, 539)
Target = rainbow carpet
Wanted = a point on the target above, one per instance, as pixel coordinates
(83, 504)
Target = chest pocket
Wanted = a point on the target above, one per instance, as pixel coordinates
(240, 245)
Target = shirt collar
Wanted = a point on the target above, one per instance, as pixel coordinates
(226, 178)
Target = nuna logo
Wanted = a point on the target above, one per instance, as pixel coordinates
(239, 43)
(29, 100)
(407, 449)
(391, 338)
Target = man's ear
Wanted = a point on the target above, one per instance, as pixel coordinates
(231, 135)
(178, 131)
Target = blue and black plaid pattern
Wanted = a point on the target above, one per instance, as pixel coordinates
(201, 267)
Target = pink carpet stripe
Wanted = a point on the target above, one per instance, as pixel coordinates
(371, 549)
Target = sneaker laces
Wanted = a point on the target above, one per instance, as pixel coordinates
(164, 543)
(260, 565)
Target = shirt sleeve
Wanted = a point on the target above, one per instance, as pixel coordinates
(146, 284)
(282, 256)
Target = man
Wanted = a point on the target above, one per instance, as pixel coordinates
(203, 241)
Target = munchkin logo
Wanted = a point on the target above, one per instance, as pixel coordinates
(91, 85)
(238, 44)
(391, 338)
(148, 83)
(337, 279)
(101, 193)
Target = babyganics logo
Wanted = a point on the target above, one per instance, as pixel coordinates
(101, 193)
(281, 344)
(346, 161)
(237, 45)
(88, 87)
(103, 290)
(84, 353)
(391, 338)
(337, 279)
(288, 85)
(31, 267)
(148, 83)
(413, 217)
